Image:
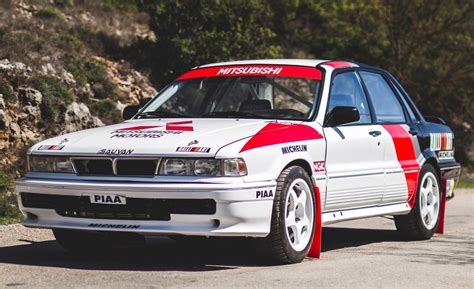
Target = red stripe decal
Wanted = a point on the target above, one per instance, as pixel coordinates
(406, 157)
(180, 125)
(442, 208)
(315, 249)
(276, 133)
(140, 127)
(254, 70)
(339, 64)
(443, 141)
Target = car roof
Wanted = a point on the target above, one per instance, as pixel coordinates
(298, 62)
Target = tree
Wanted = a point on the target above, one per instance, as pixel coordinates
(191, 33)
(426, 44)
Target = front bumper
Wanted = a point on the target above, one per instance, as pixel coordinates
(238, 211)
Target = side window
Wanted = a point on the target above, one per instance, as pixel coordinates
(386, 105)
(346, 90)
(411, 114)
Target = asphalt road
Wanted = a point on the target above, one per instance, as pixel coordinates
(357, 254)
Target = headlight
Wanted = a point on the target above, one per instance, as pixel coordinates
(207, 167)
(46, 164)
(176, 167)
(203, 167)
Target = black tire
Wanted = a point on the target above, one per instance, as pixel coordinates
(276, 246)
(77, 241)
(411, 226)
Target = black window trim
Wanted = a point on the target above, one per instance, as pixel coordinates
(371, 109)
(406, 97)
(397, 96)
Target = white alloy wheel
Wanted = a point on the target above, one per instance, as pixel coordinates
(299, 215)
(429, 200)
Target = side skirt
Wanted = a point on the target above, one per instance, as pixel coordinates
(346, 215)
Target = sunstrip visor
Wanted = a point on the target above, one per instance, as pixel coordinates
(255, 70)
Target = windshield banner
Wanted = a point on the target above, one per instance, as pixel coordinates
(254, 70)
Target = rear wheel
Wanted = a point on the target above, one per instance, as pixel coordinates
(422, 221)
(292, 224)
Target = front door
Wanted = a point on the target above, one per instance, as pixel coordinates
(355, 151)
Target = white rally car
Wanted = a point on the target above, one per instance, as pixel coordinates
(268, 149)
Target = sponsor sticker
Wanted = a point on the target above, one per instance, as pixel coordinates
(115, 152)
(139, 133)
(108, 199)
(294, 149)
(441, 141)
(153, 131)
(114, 226)
(444, 155)
(319, 166)
(264, 70)
(50, 147)
(254, 70)
(263, 194)
(193, 149)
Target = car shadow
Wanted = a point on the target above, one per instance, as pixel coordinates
(164, 254)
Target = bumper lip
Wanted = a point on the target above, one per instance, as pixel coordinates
(200, 227)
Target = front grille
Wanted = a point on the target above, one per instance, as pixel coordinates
(135, 209)
(136, 167)
(118, 167)
(94, 167)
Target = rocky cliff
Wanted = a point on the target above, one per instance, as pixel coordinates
(60, 71)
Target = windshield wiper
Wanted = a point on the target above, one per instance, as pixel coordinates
(151, 114)
(231, 114)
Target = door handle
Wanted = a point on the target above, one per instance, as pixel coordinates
(375, 133)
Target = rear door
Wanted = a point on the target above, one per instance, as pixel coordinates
(400, 151)
(355, 151)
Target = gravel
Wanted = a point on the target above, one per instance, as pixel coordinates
(358, 254)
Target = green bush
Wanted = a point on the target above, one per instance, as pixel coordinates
(106, 110)
(64, 3)
(3, 32)
(68, 41)
(55, 97)
(6, 90)
(95, 74)
(50, 13)
(8, 204)
(124, 5)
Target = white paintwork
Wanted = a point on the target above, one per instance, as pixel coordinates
(361, 171)
(347, 215)
(354, 165)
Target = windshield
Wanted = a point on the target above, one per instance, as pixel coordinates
(266, 97)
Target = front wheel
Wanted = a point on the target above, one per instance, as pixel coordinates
(422, 221)
(293, 216)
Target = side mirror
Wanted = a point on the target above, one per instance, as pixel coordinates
(130, 111)
(341, 115)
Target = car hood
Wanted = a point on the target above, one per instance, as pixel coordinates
(164, 137)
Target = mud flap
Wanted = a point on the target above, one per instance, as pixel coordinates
(442, 208)
(315, 250)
